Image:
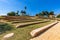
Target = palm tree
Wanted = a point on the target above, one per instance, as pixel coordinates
(25, 7)
(23, 12)
(17, 13)
(47, 13)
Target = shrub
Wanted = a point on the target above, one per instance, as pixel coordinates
(5, 27)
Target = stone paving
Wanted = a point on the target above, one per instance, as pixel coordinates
(51, 34)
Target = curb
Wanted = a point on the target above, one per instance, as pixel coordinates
(38, 31)
(27, 24)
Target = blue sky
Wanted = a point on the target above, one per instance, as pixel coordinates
(33, 6)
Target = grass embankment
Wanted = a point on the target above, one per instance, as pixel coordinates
(24, 21)
(24, 33)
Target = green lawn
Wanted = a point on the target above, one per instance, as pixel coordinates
(24, 33)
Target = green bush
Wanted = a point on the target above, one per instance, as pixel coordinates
(5, 27)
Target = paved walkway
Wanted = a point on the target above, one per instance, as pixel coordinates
(51, 34)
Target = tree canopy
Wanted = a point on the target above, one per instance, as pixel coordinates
(58, 16)
(11, 14)
(51, 13)
(45, 13)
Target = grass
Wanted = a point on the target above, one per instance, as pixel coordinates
(24, 33)
(0, 16)
(24, 21)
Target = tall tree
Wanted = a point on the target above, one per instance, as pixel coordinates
(47, 13)
(17, 13)
(25, 7)
(51, 13)
(23, 12)
(43, 13)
